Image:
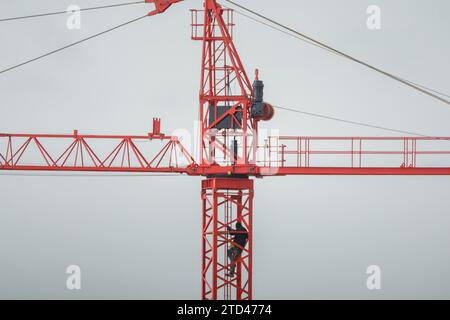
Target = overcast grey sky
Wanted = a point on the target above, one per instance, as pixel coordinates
(140, 237)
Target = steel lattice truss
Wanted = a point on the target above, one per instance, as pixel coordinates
(277, 156)
(225, 202)
(77, 152)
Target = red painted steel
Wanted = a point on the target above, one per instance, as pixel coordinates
(80, 152)
(355, 155)
(225, 202)
(279, 156)
(161, 5)
(225, 153)
(221, 72)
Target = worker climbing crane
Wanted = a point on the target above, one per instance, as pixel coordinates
(231, 110)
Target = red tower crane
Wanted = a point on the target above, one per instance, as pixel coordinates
(231, 153)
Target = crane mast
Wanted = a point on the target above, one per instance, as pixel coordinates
(227, 127)
(226, 94)
(230, 109)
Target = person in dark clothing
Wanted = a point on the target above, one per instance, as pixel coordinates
(240, 238)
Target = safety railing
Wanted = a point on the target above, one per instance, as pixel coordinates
(198, 24)
(355, 152)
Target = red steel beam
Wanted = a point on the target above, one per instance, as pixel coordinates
(285, 171)
(76, 152)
